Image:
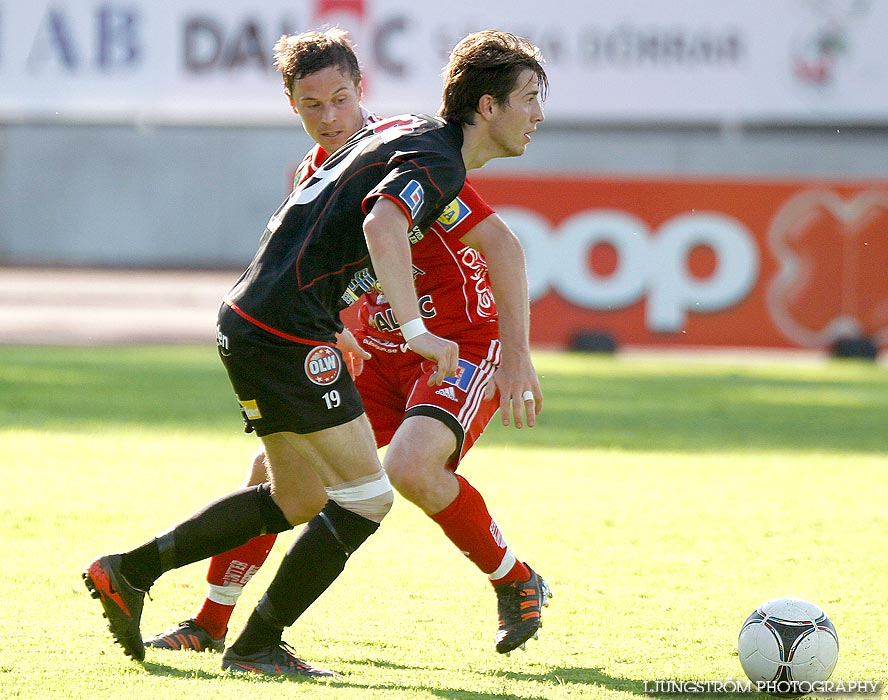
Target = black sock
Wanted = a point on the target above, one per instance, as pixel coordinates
(224, 524)
(263, 629)
(312, 563)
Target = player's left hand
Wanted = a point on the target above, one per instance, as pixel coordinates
(352, 352)
(520, 395)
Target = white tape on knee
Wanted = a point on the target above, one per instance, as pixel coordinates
(371, 498)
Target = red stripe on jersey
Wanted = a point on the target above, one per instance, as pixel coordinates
(394, 199)
(280, 334)
(426, 170)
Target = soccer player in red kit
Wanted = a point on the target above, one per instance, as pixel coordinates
(428, 428)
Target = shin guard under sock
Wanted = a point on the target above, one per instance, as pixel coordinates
(469, 525)
(224, 524)
(312, 563)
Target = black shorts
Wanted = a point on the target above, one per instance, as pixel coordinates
(282, 385)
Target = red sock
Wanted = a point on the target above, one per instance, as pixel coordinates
(469, 525)
(230, 572)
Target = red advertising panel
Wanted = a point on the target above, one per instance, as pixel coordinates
(650, 262)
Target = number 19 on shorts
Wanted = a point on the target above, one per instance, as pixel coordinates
(332, 399)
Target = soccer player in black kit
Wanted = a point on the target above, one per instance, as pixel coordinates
(342, 231)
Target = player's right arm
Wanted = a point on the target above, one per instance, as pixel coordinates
(385, 229)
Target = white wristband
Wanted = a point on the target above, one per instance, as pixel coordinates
(413, 328)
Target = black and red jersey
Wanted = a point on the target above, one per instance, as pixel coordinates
(450, 277)
(312, 259)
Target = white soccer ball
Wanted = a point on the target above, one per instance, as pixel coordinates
(787, 640)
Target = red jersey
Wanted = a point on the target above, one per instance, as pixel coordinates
(450, 277)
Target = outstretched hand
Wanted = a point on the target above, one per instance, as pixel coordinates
(520, 395)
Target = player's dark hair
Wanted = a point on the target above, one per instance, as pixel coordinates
(299, 55)
(487, 63)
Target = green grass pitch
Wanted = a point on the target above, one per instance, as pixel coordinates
(662, 498)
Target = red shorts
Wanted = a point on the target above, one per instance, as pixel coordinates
(394, 385)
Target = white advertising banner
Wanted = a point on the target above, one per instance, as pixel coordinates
(209, 61)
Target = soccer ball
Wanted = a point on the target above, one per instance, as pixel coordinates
(788, 640)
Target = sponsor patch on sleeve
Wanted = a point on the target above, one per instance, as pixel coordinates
(413, 196)
(454, 214)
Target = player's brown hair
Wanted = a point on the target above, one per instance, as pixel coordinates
(487, 63)
(299, 55)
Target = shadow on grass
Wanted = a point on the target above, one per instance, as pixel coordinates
(563, 676)
(158, 669)
(344, 681)
(590, 402)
